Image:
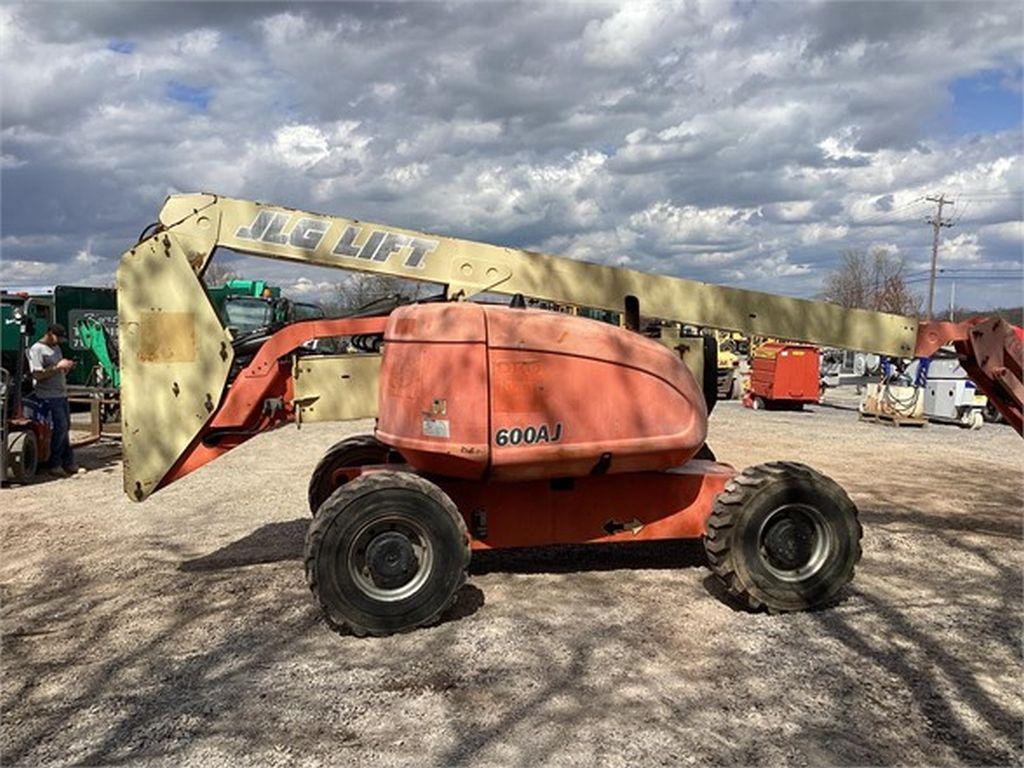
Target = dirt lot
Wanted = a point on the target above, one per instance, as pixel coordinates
(181, 630)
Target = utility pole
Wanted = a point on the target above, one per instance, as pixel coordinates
(937, 223)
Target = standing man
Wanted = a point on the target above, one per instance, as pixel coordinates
(49, 369)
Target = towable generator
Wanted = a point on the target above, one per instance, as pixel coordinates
(497, 426)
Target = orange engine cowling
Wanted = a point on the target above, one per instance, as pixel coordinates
(473, 391)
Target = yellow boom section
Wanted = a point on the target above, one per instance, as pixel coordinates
(176, 357)
(203, 222)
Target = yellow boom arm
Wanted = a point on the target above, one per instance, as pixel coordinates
(202, 222)
(176, 357)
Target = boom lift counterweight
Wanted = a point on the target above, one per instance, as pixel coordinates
(496, 426)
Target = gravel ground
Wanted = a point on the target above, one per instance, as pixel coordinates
(181, 629)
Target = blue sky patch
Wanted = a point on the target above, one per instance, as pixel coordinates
(121, 46)
(986, 102)
(187, 94)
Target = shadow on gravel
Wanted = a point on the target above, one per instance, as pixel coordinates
(468, 600)
(834, 406)
(105, 452)
(276, 542)
(269, 543)
(929, 660)
(986, 526)
(102, 457)
(198, 655)
(590, 557)
(989, 505)
(156, 699)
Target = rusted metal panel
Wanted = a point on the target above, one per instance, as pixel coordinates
(167, 337)
(992, 354)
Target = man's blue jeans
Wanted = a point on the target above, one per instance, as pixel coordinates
(60, 440)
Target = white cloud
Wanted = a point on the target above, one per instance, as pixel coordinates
(200, 42)
(1010, 232)
(385, 91)
(300, 146)
(86, 257)
(693, 229)
(771, 265)
(965, 247)
(20, 271)
(306, 288)
(821, 232)
(627, 35)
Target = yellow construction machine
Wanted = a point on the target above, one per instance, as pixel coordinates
(733, 363)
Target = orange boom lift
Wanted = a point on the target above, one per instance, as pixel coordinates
(497, 426)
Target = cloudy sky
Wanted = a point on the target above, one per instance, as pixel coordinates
(747, 143)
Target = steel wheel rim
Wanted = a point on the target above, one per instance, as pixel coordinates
(360, 569)
(803, 515)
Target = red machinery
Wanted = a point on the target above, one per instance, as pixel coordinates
(503, 427)
(25, 438)
(784, 375)
(562, 397)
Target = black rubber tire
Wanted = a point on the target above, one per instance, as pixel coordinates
(22, 455)
(734, 550)
(992, 414)
(349, 510)
(353, 451)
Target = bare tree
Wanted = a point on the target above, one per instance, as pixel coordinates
(358, 290)
(875, 280)
(218, 274)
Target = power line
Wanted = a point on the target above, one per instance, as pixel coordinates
(937, 223)
(985, 270)
(881, 215)
(961, 214)
(980, 274)
(992, 194)
(980, 278)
